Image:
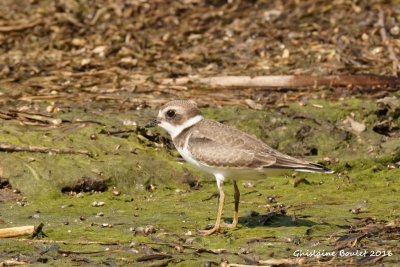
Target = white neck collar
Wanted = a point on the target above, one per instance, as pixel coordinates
(175, 130)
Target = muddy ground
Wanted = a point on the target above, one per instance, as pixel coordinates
(85, 76)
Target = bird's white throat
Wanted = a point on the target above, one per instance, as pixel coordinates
(175, 130)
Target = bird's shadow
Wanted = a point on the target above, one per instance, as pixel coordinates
(274, 219)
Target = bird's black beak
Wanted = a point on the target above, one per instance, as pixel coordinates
(152, 123)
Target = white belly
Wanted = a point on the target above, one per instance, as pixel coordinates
(186, 155)
(247, 173)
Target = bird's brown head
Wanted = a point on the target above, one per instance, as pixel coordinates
(177, 115)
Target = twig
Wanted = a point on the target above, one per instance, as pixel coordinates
(21, 26)
(65, 242)
(274, 262)
(12, 263)
(386, 41)
(151, 257)
(286, 81)
(245, 265)
(62, 251)
(37, 149)
(116, 132)
(69, 18)
(39, 232)
(197, 249)
(17, 231)
(99, 13)
(28, 116)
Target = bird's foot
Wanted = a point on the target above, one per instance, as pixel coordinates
(230, 225)
(211, 231)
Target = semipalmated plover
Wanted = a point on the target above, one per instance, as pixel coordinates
(222, 150)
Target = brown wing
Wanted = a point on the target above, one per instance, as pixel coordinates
(216, 144)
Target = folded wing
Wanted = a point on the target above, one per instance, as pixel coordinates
(218, 145)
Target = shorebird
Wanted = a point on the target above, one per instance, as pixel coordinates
(222, 151)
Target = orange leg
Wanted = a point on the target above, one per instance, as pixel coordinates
(236, 211)
(217, 224)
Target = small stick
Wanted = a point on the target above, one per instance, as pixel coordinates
(39, 232)
(49, 241)
(38, 149)
(21, 26)
(12, 263)
(17, 231)
(26, 116)
(62, 251)
(271, 262)
(245, 265)
(286, 81)
(385, 40)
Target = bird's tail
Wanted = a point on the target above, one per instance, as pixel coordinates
(289, 163)
(314, 168)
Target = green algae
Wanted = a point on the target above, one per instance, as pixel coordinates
(316, 210)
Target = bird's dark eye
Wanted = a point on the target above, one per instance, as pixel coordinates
(171, 113)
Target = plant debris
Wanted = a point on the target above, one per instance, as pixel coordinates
(86, 184)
